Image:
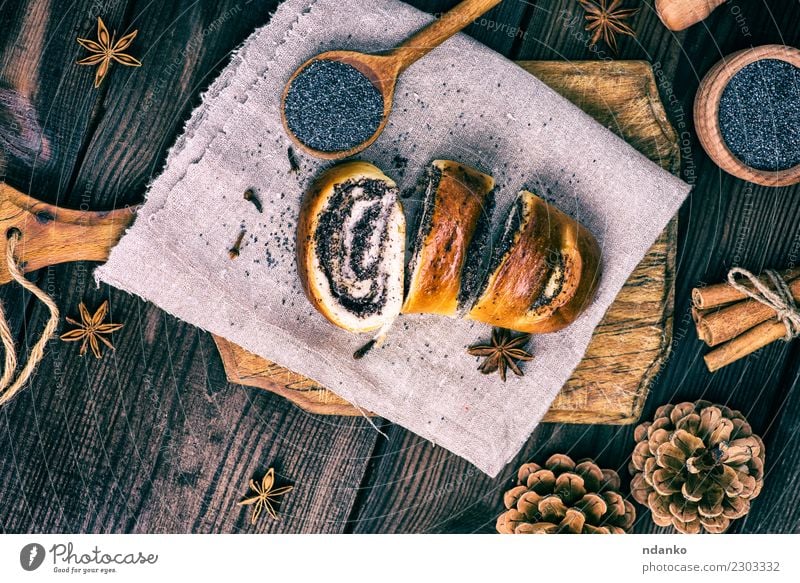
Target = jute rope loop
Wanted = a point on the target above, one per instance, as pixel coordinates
(779, 299)
(37, 352)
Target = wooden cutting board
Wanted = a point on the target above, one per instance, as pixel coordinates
(633, 340)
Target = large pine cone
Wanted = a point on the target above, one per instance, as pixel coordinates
(565, 497)
(697, 466)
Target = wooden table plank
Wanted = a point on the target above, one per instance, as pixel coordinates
(47, 107)
(184, 468)
(48, 104)
(183, 45)
(46, 111)
(777, 509)
(153, 439)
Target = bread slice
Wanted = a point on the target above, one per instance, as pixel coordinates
(351, 247)
(452, 240)
(543, 272)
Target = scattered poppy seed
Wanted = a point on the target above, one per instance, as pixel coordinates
(759, 115)
(362, 352)
(294, 165)
(233, 252)
(250, 195)
(332, 107)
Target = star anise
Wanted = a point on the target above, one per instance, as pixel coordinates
(265, 496)
(606, 20)
(91, 329)
(106, 50)
(504, 352)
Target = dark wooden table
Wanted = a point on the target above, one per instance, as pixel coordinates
(153, 439)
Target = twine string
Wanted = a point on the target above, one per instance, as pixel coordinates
(37, 352)
(779, 298)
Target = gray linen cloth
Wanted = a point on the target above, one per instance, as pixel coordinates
(461, 102)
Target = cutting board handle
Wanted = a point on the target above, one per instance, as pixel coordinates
(51, 235)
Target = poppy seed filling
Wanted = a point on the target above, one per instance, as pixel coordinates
(423, 221)
(515, 222)
(555, 260)
(477, 252)
(351, 239)
(505, 240)
(472, 270)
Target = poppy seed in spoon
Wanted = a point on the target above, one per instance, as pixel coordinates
(331, 106)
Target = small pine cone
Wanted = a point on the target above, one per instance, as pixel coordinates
(565, 497)
(696, 466)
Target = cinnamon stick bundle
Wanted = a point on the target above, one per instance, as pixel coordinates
(731, 321)
(712, 296)
(735, 324)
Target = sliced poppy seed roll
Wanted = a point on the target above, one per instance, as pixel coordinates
(451, 244)
(543, 273)
(351, 247)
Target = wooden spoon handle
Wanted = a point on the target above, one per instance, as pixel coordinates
(681, 14)
(439, 31)
(52, 235)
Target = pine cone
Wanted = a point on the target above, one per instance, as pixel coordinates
(565, 497)
(697, 466)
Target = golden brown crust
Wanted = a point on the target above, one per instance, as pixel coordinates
(547, 277)
(313, 204)
(435, 282)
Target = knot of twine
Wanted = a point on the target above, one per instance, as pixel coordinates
(7, 388)
(779, 299)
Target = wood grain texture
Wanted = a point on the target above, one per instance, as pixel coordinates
(49, 105)
(610, 384)
(245, 368)
(152, 438)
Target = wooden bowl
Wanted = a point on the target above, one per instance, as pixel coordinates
(706, 114)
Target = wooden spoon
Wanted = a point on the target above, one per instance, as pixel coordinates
(383, 70)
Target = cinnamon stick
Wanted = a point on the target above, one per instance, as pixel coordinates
(698, 315)
(712, 296)
(741, 346)
(721, 325)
